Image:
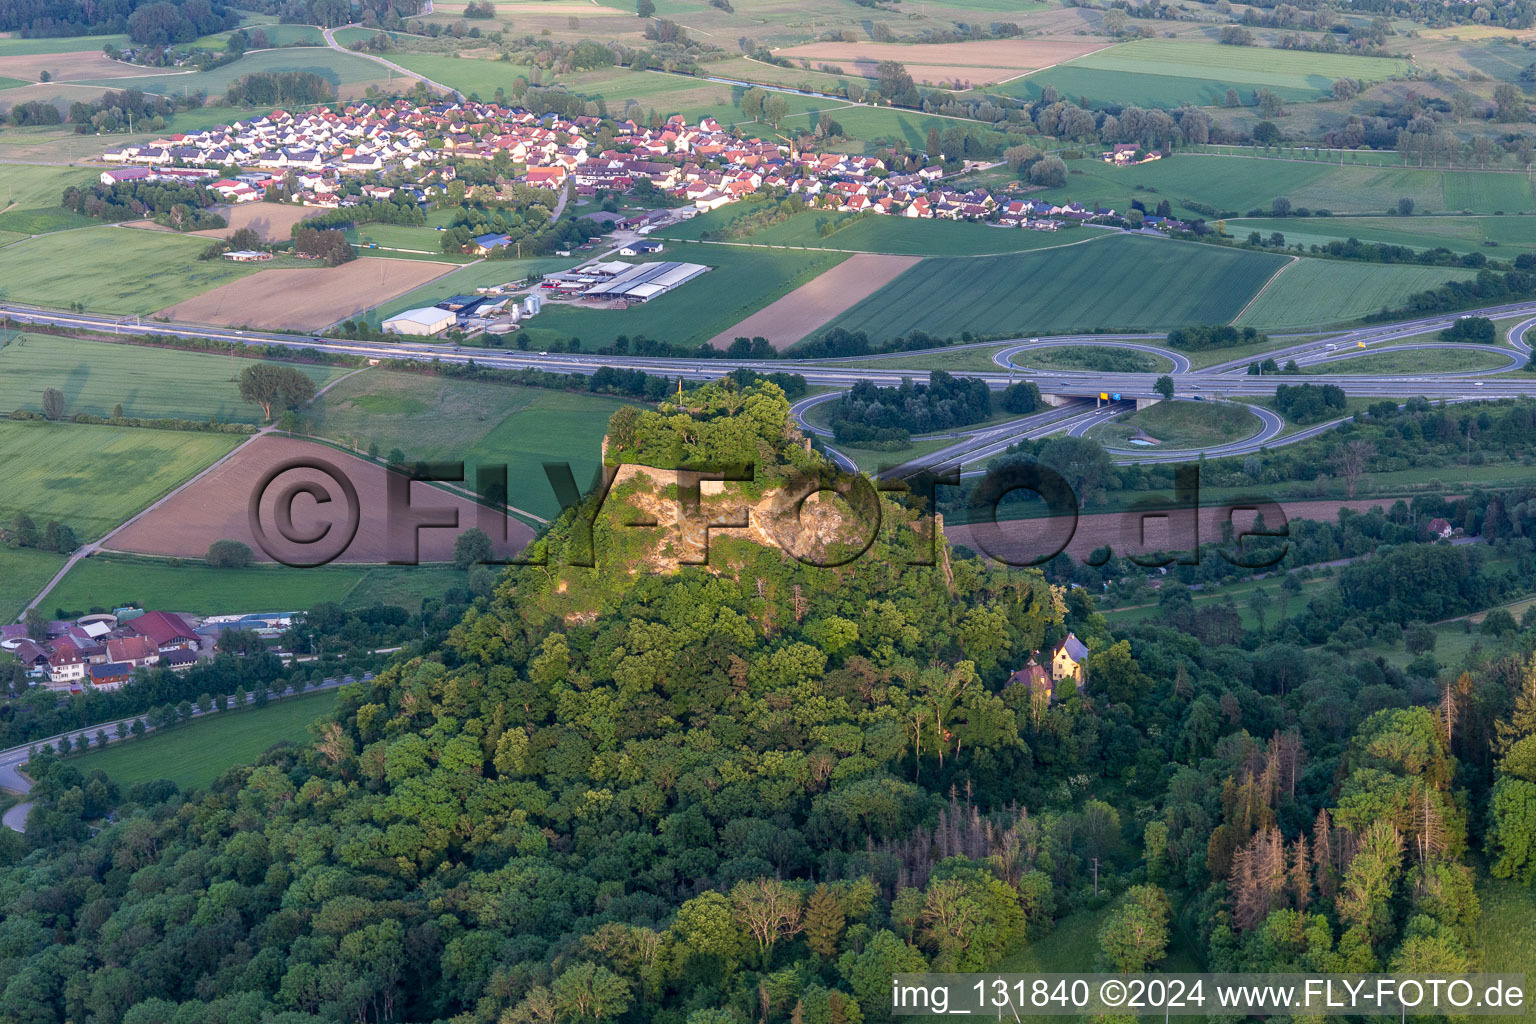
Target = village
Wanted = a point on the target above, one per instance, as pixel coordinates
(337, 159)
(105, 650)
(704, 165)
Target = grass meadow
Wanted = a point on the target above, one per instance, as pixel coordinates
(33, 187)
(109, 580)
(1315, 293)
(469, 75)
(1240, 184)
(342, 70)
(1461, 234)
(93, 478)
(740, 282)
(1120, 281)
(1416, 361)
(148, 382)
(877, 233)
(194, 754)
(112, 270)
(62, 44)
(24, 572)
(1181, 425)
(1170, 72)
(436, 419)
(277, 35)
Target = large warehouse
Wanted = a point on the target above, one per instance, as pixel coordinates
(645, 281)
(422, 322)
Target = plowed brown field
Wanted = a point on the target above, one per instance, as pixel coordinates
(218, 507)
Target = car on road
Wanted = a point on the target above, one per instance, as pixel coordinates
(1477, 383)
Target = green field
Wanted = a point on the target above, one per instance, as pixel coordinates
(1314, 293)
(340, 69)
(1120, 281)
(434, 418)
(469, 75)
(878, 126)
(148, 382)
(33, 187)
(196, 753)
(43, 222)
(61, 44)
(1505, 935)
(1460, 234)
(1241, 184)
(1171, 72)
(740, 282)
(93, 478)
(1180, 425)
(11, 83)
(669, 94)
(113, 580)
(1430, 360)
(111, 270)
(880, 233)
(24, 572)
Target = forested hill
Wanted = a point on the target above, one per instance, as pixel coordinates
(753, 791)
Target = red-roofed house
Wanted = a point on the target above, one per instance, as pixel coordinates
(166, 631)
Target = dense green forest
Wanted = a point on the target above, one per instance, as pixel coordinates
(753, 790)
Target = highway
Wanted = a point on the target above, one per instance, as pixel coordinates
(1223, 380)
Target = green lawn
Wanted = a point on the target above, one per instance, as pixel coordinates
(1170, 72)
(196, 753)
(1181, 425)
(112, 270)
(878, 126)
(1461, 234)
(878, 233)
(1118, 281)
(1315, 293)
(148, 382)
(740, 282)
(1415, 361)
(113, 580)
(433, 418)
(1243, 183)
(92, 478)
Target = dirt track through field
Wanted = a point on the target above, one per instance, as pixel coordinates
(218, 507)
(787, 320)
(305, 299)
(1020, 540)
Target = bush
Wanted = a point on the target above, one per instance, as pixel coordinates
(229, 554)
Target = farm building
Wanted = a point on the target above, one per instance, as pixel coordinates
(646, 281)
(532, 304)
(247, 256)
(422, 322)
(640, 248)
